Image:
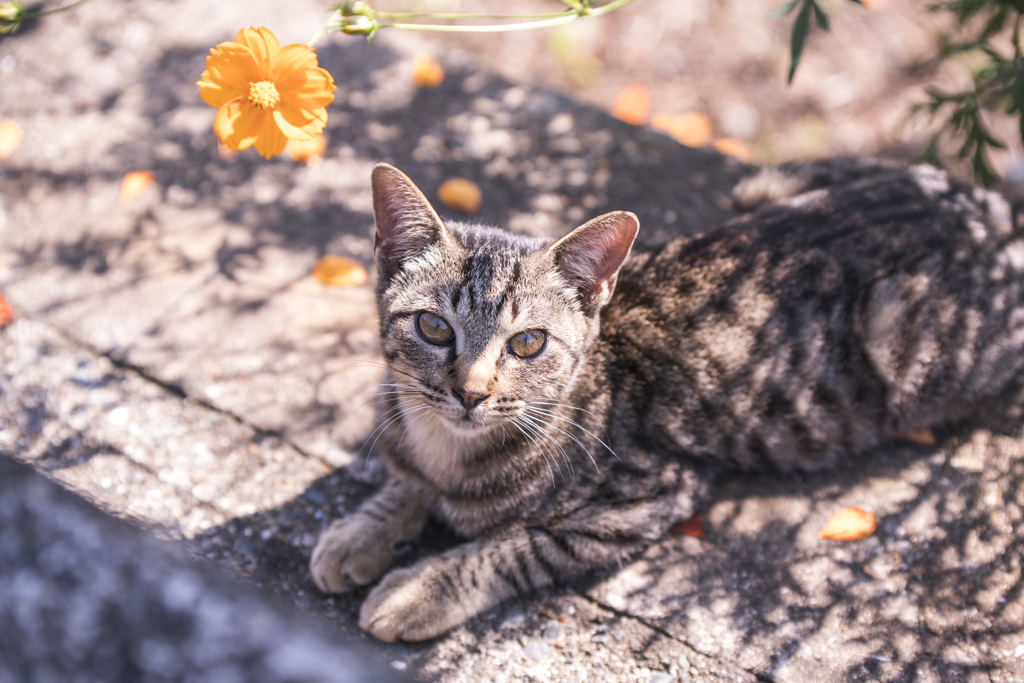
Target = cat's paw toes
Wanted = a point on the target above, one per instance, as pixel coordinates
(405, 606)
(349, 553)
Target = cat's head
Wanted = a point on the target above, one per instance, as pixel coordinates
(478, 324)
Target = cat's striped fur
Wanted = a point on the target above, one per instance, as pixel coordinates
(794, 336)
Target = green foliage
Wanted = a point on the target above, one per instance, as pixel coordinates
(802, 26)
(998, 82)
(964, 122)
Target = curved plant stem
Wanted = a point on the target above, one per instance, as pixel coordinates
(454, 17)
(65, 8)
(449, 28)
(543, 20)
(323, 29)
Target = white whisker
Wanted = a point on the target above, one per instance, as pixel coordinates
(575, 424)
(391, 421)
(565, 456)
(562, 405)
(541, 451)
(542, 438)
(571, 436)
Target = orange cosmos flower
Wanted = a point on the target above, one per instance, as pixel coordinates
(265, 94)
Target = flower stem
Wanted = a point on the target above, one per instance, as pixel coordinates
(323, 29)
(551, 20)
(65, 8)
(610, 7)
(452, 17)
(447, 28)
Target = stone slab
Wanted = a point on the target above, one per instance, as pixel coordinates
(132, 445)
(86, 597)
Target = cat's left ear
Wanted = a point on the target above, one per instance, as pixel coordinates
(590, 256)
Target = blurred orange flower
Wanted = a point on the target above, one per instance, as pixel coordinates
(632, 104)
(133, 184)
(310, 152)
(10, 137)
(692, 129)
(734, 147)
(265, 94)
(426, 73)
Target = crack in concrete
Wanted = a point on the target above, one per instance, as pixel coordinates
(657, 629)
(259, 433)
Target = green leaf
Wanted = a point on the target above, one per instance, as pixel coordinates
(1017, 96)
(931, 153)
(782, 11)
(800, 27)
(982, 170)
(820, 15)
(995, 23)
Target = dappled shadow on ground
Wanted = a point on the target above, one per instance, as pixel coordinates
(934, 592)
(204, 284)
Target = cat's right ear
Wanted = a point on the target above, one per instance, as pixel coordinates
(406, 223)
(590, 256)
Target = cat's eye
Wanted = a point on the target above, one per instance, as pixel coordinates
(435, 329)
(527, 344)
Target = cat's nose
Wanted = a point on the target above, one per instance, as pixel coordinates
(469, 399)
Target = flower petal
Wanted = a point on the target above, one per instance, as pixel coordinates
(263, 44)
(237, 123)
(296, 127)
(309, 89)
(299, 115)
(290, 58)
(270, 140)
(229, 70)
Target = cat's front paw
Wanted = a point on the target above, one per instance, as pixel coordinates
(352, 552)
(410, 605)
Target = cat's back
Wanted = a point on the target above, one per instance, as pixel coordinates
(825, 242)
(805, 328)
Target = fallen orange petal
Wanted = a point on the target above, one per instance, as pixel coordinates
(632, 104)
(339, 271)
(6, 314)
(692, 129)
(734, 147)
(426, 73)
(10, 137)
(461, 194)
(307, 151)
(849, 524)
(694, 526)
(133, 184)
(925, 437)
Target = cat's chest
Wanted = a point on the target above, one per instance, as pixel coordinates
(480, 482)
(437, 451)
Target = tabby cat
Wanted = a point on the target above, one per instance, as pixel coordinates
(561, 404)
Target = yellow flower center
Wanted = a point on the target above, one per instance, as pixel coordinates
(263, 94)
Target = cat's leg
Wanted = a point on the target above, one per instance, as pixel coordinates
(357, 549)
(439, 593)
